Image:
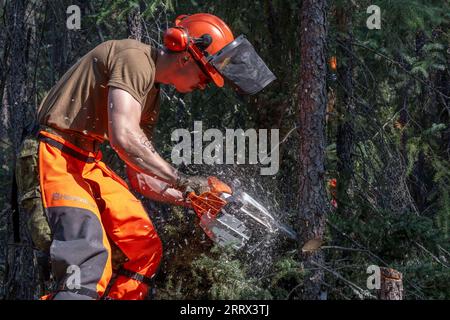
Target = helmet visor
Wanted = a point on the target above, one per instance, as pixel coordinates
(241, 66)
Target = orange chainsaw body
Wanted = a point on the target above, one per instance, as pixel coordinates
(210, 201)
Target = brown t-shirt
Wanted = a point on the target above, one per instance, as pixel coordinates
(79, 101)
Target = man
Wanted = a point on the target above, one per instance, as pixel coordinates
(112, 93)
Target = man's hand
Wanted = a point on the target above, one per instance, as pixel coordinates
(195, 184)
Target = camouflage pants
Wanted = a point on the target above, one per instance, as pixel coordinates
(29, 194)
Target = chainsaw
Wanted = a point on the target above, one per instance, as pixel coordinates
(233, 218)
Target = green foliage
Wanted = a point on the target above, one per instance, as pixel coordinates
(443, 214)
(399, 196)
(431, 277)
(225, 277)
(288, 277)
(119, 9)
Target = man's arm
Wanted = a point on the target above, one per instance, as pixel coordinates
(129, 141)
(155, 189)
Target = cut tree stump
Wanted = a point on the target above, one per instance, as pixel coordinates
(391, 285)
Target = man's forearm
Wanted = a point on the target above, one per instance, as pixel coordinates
(138, 152)
(156, 189)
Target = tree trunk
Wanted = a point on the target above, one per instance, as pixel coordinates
(312, 110)
(22, 276)
(16, 88)
(391, 285)
(59, 50)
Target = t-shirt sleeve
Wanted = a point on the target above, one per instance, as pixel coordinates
(130, 70)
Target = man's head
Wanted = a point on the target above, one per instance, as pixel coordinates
(183, 62)
(201, 48)
(181, 71)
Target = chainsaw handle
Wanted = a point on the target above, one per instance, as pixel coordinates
(216, 187)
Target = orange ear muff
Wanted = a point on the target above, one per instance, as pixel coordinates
(176, 39)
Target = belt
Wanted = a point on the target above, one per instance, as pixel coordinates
(74, 153)
(77, 139)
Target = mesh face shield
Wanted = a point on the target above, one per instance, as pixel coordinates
(241, 66)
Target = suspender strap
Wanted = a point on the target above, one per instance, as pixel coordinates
(81, 291)
(136, 276)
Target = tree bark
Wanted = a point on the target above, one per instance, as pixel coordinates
(391, 285)
(59, 49)
(22, 274)
(312, 110)
(16, 87)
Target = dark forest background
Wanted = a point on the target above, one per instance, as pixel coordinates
(364, 160)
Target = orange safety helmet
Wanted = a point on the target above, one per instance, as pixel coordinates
(202, 35)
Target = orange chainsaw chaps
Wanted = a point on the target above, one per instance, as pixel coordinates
(87, 206)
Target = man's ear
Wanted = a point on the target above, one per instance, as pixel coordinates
(182, 59)
(185, 59)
